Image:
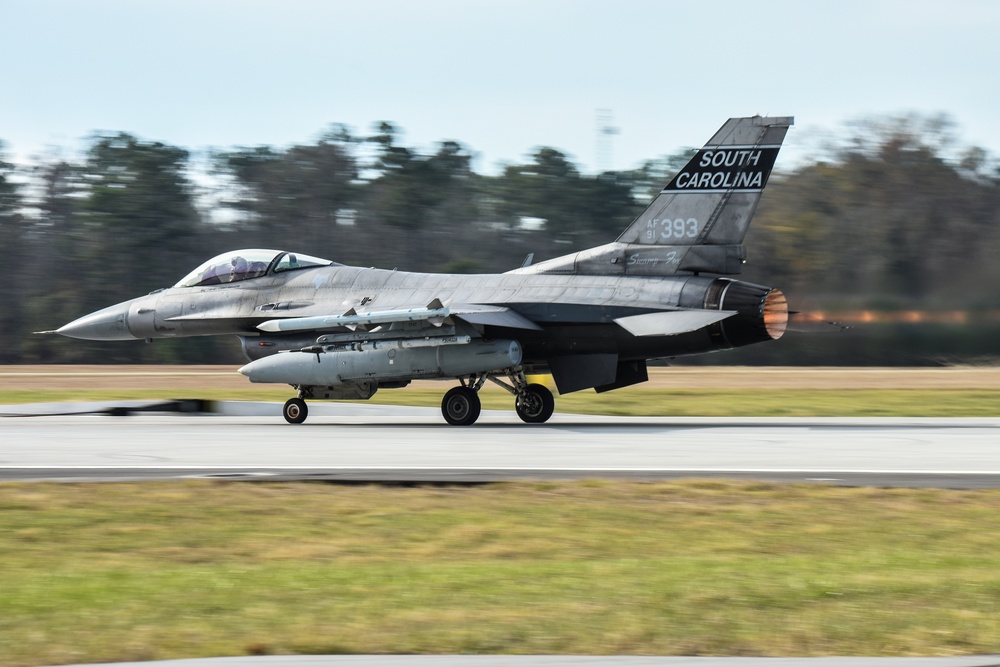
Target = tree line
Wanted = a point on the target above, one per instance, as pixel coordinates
(892, 215)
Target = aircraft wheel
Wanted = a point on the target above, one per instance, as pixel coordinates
(295, 411)
(461, 406)
(535, 405)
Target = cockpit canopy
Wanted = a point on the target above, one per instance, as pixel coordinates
(237, 265)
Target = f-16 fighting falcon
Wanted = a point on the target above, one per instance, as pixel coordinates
(592, 318)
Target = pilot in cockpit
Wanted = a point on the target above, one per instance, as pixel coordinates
(238, 270)
(242, 269)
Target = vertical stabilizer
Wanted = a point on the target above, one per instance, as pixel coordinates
(698, 221)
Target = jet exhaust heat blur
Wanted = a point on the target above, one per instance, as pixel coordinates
(591, 319)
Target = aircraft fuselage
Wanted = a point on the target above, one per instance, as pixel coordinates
(576, 316)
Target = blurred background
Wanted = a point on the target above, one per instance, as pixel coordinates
(139, 139)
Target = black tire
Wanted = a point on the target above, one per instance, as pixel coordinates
(295, 411)
(461, 406)
(535, 405)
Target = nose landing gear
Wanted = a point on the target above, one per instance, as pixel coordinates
(295, 411)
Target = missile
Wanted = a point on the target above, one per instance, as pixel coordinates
(386, 360)
(352, 319)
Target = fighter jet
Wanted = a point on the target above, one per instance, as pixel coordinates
(591, 319)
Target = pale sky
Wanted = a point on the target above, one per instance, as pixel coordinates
(501, 77)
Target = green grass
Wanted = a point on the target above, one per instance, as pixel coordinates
(112, 572)
(632, 401)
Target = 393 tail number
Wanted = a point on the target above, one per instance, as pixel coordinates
(671, 229)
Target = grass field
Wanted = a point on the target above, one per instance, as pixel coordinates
(712, 391)
(110, 572)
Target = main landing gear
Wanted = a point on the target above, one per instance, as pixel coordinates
(533, 403)
(461, 406)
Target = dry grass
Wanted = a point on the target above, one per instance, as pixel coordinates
(711, 391)
(225, 378)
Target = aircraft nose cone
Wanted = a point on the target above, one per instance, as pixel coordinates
(106, 324)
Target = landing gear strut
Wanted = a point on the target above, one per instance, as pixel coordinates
(533, 403)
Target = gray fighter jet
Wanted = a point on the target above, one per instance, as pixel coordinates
(592, 319)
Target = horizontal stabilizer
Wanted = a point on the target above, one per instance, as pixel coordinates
(671, 322)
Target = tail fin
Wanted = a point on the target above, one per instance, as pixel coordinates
(698, 221)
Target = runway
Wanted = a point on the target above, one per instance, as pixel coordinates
(354, 442)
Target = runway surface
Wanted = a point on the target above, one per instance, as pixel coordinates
(387, 443)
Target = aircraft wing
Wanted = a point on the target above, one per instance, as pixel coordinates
(659, 323)
(662, 323)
